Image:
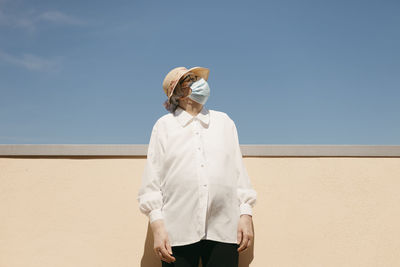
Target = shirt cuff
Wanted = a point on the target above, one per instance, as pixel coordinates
(155, 215)
(245, 209)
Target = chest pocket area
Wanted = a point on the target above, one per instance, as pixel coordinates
(219, 153)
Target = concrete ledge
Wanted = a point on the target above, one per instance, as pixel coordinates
(247, 150)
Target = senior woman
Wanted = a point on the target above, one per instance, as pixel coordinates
(195, 188)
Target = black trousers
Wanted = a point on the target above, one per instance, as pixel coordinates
(212, 254)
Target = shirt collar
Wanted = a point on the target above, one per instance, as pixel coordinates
(185, 117)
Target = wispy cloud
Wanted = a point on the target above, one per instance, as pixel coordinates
(16, 21)
(30, 20)
(30, 62)
(58, 17)
(14, 15)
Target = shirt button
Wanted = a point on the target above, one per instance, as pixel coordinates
(204, 185)
(197, 133)
(198, 148)
(202, 165)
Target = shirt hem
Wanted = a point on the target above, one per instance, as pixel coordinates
(221, 240)
(183, 243)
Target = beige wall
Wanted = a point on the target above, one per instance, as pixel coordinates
(311, 212)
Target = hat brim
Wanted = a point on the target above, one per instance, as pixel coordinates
(198, 71)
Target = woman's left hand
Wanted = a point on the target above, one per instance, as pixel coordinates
(245, 232)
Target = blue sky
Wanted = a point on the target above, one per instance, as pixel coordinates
(287, 72)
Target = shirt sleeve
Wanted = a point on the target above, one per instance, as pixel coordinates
(150, 195)
(246, 194)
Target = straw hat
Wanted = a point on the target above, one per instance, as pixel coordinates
(172, 78)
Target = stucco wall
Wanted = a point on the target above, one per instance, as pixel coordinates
(310, 212)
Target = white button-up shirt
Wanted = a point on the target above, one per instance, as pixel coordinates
(194, 178)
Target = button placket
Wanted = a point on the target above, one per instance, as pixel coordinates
(203, 189)
(200, 154)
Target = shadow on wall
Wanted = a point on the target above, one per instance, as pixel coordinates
(149, 258)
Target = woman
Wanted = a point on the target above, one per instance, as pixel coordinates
(195, 188)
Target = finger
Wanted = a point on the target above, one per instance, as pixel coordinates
(248, 244)
(163, 258)
(243, 243)
(239, 236)
(159, 254)
(169, 249)
(166, 255)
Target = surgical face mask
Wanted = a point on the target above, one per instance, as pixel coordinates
(200, 91)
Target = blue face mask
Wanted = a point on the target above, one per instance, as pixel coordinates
(200, 91)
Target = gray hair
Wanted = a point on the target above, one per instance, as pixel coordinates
(174, 100)
(178, 92)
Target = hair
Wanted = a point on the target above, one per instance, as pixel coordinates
(172, 105)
